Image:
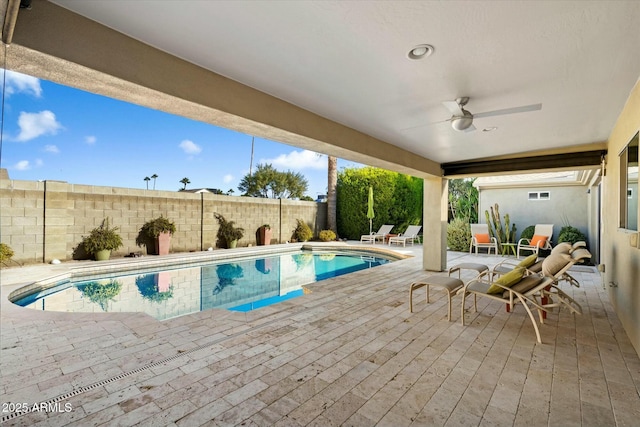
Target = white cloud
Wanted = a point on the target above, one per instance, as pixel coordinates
(17, 83)
(39, 162)
(227, 178)
(51, 149)
(33, 125)
(90, 139)
(190, 147)
(22, 165)
(298, 160)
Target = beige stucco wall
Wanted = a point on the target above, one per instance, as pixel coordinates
(622, 262)
(45, 220)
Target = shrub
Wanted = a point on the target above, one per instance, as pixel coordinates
(327, 236)
(571, 234)
(302, 233)
(459, 235)
(397, 200)
(527, 233)
(6, 253)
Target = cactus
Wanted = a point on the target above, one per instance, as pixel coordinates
(502, 235)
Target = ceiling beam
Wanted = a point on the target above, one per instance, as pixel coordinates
(521, 164)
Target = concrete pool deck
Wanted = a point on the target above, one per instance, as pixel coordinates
(349, 353)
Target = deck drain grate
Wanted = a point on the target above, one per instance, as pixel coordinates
(84, 389)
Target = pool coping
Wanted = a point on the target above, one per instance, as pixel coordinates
(84, 269)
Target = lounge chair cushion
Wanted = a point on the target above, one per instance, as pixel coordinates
(562, 248)
(528, 261)
(580, 254)
(483, 238)
(554, 263)
(528, 282)
(538, 240)
(536, 268)
(508, 279)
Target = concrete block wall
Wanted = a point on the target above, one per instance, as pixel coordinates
(46, 220)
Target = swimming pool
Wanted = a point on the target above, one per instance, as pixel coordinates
(241, 284)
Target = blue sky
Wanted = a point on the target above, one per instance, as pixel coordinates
(53, 132)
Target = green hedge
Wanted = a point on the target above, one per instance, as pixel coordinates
(397, 200)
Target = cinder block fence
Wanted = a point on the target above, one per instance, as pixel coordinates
(46, 220)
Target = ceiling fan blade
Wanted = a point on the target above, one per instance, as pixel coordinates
(523, 109)
(454, 107)
(425, 124)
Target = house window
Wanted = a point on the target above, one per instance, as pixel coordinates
(539, 195)
(629, 185)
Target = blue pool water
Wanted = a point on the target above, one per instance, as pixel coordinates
(241, 285)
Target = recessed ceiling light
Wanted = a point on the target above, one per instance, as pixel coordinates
(489, 129)
(420, 51)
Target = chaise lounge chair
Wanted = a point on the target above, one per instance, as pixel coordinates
(410, 235)
(380, 234)
(541, 239)
(538, 290)
(480, 238)
(511, 288)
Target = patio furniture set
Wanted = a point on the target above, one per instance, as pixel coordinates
(481, 239)
(532, 282)
(385, 236)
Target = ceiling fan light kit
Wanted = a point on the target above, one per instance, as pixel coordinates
(462, 120)
(462, 123)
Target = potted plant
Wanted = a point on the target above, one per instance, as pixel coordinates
(102, 240)
(264, 235)
(228, 234)
(157, 233)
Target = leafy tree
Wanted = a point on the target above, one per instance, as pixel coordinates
(463, 200)
(267, 182)
(184, 181)
(397, 200)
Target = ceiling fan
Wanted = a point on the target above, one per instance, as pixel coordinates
(462, 120)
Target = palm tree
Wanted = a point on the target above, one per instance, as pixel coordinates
(185, 181)
(154, 176)
(147, 179)
(332, 174)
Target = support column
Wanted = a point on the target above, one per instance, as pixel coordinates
(434, 246)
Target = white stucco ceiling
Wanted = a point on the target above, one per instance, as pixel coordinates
(347, 61)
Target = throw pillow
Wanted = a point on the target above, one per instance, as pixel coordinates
(483, 238)
(509, 279)
(528, 261)
(538, 240)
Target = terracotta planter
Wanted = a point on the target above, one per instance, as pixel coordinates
(265, 235)
(163, 241)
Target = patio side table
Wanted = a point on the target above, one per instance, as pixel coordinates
(509, 247)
